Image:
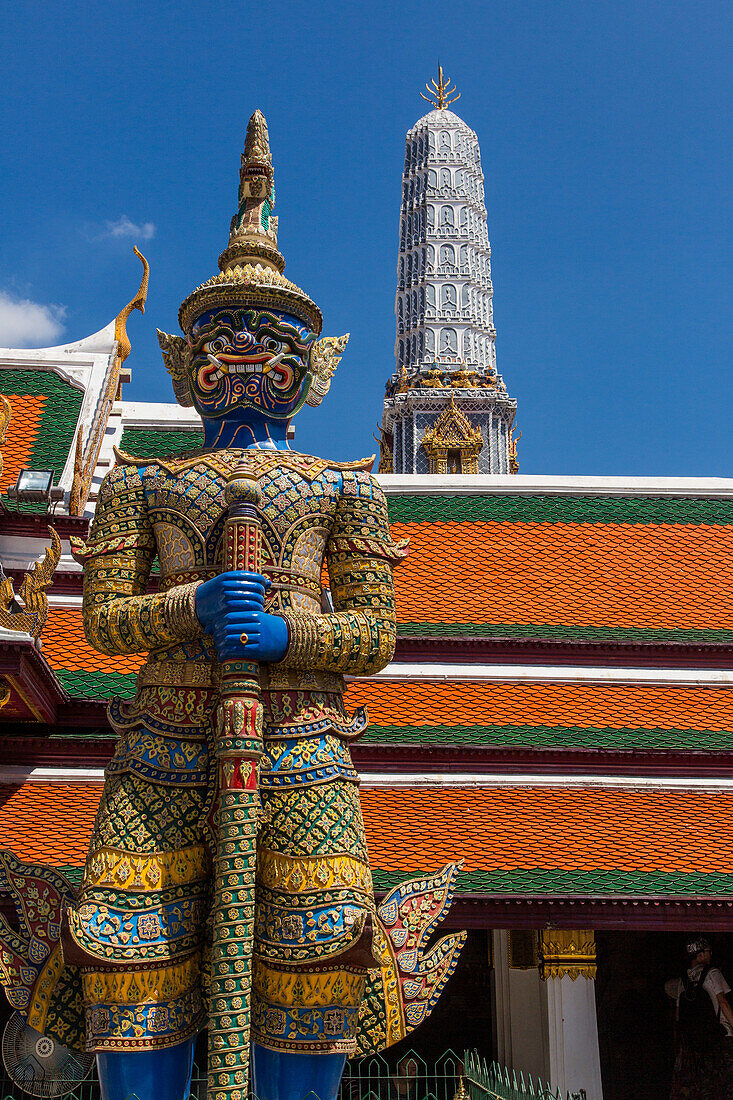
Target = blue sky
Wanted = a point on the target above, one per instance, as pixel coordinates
(605, 138)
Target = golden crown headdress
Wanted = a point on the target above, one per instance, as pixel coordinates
(251, 273)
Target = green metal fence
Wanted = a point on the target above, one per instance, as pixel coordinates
(491, 1081)
(409, 1077)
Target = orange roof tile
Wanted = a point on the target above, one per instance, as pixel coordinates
(503, 828)
(65, 646)
(27, 412)
(619, 706)
(628, 841)
(658, 576)
(48, 822)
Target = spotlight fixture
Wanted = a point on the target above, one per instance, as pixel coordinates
(34, 487)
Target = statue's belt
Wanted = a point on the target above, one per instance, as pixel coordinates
(196, 674)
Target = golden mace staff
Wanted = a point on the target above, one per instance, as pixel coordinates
(238, 747)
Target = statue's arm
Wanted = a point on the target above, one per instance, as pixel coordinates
(118, 616)
(359, 636)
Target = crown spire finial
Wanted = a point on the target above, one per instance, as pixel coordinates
(253, 231)
(439, 92)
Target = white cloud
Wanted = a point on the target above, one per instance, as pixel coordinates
(123, 227)
(27, 324)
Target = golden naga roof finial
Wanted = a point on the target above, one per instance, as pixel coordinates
(124, 346)
(439, 93)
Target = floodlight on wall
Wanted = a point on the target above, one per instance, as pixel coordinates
(33, 487)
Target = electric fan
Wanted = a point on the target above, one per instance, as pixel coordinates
(39, 1065)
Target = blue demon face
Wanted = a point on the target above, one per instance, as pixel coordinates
(249, 359)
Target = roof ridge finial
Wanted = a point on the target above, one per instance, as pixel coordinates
(438, 93)
(138, 302)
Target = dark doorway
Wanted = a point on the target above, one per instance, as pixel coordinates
(635, 1015)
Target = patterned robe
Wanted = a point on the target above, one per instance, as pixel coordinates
(139, 929)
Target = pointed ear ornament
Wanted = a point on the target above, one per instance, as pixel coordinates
(176, 356)
(325, 355)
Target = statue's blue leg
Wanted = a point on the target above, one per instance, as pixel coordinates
(281, 1075)
(147, 1074)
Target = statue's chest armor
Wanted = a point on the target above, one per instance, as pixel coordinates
(187, 508)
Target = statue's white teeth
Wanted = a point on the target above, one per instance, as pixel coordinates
(221, 368)
(244, 368)
(271, 363)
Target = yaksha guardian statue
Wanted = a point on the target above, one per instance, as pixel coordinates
(239, 704)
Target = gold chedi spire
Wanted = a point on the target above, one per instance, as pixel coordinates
(250, 267)
(440, 93)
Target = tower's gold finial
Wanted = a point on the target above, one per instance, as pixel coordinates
(439, 93)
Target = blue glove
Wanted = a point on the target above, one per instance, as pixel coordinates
(231, 608)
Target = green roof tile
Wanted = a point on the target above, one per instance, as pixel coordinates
(563, 632)
(537, 881)
(57, 425)
(153, 443)
(559, 508)
(98, 685)
(557, 737)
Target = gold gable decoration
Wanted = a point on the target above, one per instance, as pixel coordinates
(138, 302)
(28, 610)
(453, 444)
(513, 459)
(570, 954)
(88, 445)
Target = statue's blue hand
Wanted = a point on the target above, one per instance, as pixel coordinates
(231, 608)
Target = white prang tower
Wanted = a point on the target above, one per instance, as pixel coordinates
(446, 410)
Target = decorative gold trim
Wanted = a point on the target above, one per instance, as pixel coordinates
(317, 989)
(31, 594)
(6, 413)
(394, 1009)
(513, 460)
(132, 987)
(175, 352)
(43, 989)
(112, 867)
(176, 674)
(325, 356)
(299, 874)
(180, 611)
(570, 954)
(303, 638)
(75, 505)
(250, 283)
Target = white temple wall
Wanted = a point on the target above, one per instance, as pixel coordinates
(546, 1028)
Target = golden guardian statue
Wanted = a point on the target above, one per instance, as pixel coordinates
(227, 883)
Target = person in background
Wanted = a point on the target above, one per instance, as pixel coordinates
(704, 1028)
(403, 1082)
